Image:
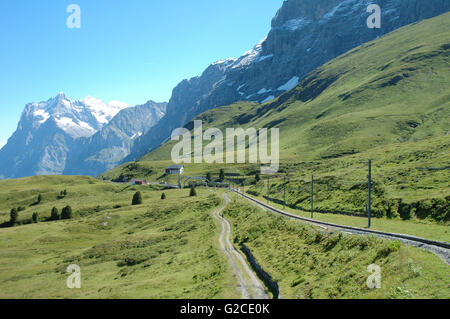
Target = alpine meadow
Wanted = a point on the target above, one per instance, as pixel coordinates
(362, 188)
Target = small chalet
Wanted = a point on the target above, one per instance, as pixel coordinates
(138, 182)
(175, 170)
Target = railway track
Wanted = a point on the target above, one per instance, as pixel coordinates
(441, 249)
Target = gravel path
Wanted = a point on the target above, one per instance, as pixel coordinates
(250, 285)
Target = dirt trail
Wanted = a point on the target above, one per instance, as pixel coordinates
(250, 285)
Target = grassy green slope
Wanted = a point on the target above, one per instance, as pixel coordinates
(308, 262)
(387, 100)
(169, 248)
(160, 249)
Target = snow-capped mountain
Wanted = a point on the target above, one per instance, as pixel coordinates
(50, 131)
(76, 118)
(305, 34)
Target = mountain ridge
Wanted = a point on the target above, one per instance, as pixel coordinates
(304, 35)
(51, 132)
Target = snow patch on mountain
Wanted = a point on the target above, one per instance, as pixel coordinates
(289, 85)
(225, 61)
(75, 128)
(265, 57)
(102, 111)
(269, 98)
(263, 90)
(41, 116)
(119, 104)
(295, 24)
(250, 56)
(136, 135)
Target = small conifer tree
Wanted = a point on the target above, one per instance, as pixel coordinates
(66, 213)
(55, 214)
(13, 216)
(137, 199)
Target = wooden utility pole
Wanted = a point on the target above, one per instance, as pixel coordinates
(369, 204)
(312, 197)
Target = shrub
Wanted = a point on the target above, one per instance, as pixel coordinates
(193, 192)
(39, 199)
(436, 209)
(163, 196)
(404, 210)
(389, 206)
(137, 199)
(55, 214)
(221, 175)
(257, 177)
(387, 249)
(13, 216)
(66, 213)
(35, 217)
(20, 208)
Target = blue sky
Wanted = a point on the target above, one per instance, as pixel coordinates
(130, 51)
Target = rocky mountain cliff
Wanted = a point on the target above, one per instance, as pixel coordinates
(59, 135)
(304, 35)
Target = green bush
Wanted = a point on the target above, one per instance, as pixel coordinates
(390, 208)
(137, 199)
(54, 214)
(193, 192)
(35, 217)
(163, 196)
(436, 209)
(66, 213)
(404, 210)
(13, 216)
(387, 249)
